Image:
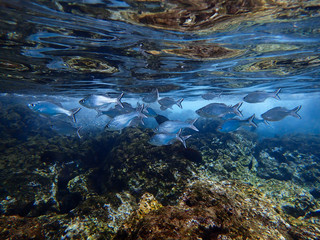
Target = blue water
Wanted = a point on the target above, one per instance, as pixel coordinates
(62, 51)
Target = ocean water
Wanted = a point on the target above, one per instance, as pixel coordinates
(63, 51)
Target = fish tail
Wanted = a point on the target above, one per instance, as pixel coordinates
(140, 112)
(276, 96)
(182, 138)
(251, 121)
(78, 132)
(192, 125)
(236, 109)
(73, 114)
(99, 113)
(119, 100)
(294, 112)
(179, 102)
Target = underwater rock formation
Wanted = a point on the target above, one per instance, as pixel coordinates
(217, 210)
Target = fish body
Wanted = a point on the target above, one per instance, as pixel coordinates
(279, 113)
(161, 139)
(97, 101)
(218, 110)
(124, 120)
(211, 95)
(51, 109)
(261, 96)
(117, 110)
(174, 126)
(234, 124)
(151, 97)
(168, 102)
(65, 128)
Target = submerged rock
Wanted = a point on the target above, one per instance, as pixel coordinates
(217, 210)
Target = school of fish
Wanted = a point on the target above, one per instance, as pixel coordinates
(123, 114)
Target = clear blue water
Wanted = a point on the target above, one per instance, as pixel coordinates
(62, 51)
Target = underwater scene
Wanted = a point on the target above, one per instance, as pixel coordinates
(160, 119)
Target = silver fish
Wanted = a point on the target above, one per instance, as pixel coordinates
(51, 109)
(261, 96)
(125, 120)
(151, 97)
(161, 139)
(65, 128)
(168, 102)
(97, 101)
(211, 95)
(175, 126)
(279, 113)
(219, 110)
(234, 124)
(117, 110)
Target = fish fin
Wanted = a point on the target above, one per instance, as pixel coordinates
(236, 109)
(73, 114)
(99, 113)
(119, 100)
(276, 96)
(192, 124)
(78, 132)
(294, 112)
(251, 122)
(179, 102)
(219, 95)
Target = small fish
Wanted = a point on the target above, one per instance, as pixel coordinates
(161, 139)
(279, 113)
(117, 110)
(234, 124)
(175, 126)
(168, 102)
(211, 95)
(258, 121)
(125, 120)
(51, 109)
(151, 97)
(97, 101)
(219, 110)
(261, 96)
(65, 128)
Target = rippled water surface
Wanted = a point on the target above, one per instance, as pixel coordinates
(81, 47)
(62, 51)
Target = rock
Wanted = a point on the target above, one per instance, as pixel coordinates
(216, 210)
